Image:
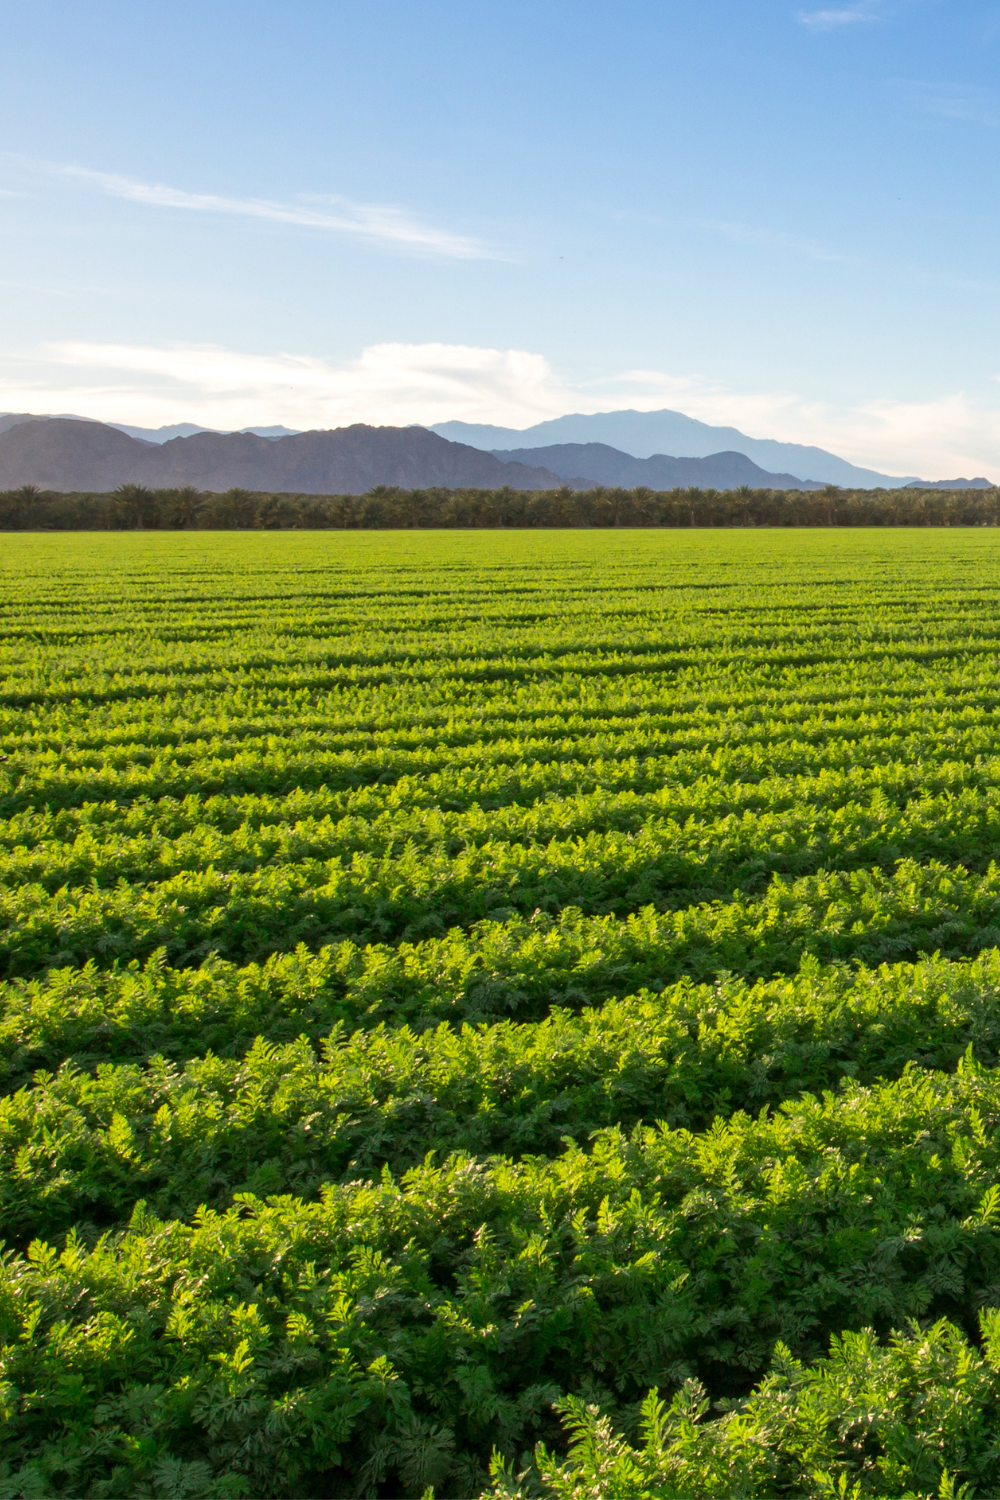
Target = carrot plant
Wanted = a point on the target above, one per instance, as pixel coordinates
(500, 1013)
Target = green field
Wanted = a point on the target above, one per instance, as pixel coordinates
(449, 975)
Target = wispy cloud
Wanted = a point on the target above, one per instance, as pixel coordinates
(941, 437)
(383, 223)
(775, 239)
(826, 20)
(953, 101)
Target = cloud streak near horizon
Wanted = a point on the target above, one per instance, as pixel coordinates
(379, 223)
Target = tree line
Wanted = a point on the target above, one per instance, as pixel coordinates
(134, 507)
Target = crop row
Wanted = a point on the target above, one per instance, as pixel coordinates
(78, 1149)
(711, 825)
(515, 966)
(258, 664)
(54, 781)
(421, 892)
(322, 600)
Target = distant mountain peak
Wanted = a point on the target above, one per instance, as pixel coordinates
(587, 464)
(642, 434)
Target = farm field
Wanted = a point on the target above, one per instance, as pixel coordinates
(455, 984)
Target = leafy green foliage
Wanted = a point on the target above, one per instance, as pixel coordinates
(900, 1420)
(456, 986)
(520, 967)
(487, 1287)
(78, 1149)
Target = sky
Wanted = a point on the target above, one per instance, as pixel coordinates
(784, 218)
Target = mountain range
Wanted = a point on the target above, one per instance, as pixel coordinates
(64, 455)
(144, 434)
(645, 433)
(189, 429)
(75, 453)
(608, 466)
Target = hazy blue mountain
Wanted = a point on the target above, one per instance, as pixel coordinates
(950, 484)
(632, 434)
(159, 434)
(587, 464)
(643, 433)
(188, 429)
(11, 419)
(273, 432)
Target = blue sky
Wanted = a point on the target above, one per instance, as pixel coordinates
(782, 217)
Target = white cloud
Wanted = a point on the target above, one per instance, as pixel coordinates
(394, 384)
(826, 20)
(378, 222)
(398, 384)
(947, 437)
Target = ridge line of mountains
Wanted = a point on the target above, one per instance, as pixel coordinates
(73, 454)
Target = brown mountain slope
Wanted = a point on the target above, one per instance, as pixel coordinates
(66, 455)
(60, 454)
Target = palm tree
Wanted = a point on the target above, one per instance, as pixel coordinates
(643, 505)
(693, 494)
(240, 506)
(831, 494)
(135, 498)
(185, 507)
